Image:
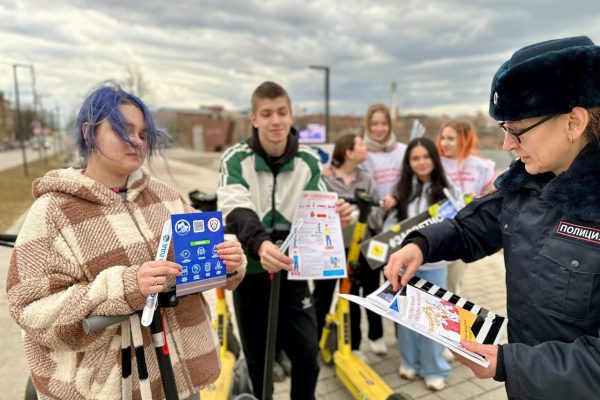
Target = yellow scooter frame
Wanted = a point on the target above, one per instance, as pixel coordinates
(335, 345)
(221, 388)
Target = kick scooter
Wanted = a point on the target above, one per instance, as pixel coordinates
(358, 377)
(233, 382)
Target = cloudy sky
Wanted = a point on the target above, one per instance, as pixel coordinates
(442, 54)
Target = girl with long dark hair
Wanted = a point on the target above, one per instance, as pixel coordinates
(421, 184)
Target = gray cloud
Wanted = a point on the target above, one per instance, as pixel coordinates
(442, 54)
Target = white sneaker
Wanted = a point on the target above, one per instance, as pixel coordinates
(361, 355)
(378, 346)
(407, 373)
(435, 383)
(448, 355)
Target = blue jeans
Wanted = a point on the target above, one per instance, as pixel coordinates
(418, 352)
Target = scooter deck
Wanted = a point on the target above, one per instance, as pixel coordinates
(219, 390)
(360, 379)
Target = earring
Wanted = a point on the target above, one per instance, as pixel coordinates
(570, 139)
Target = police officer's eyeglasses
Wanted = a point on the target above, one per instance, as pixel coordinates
(516, 135)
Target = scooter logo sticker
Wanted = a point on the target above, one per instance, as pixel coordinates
(377, 250)
(182, 227)
(214, 224)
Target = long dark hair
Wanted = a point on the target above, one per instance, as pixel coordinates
(405, 193)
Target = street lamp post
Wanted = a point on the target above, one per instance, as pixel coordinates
(18, 120)
(325, 69)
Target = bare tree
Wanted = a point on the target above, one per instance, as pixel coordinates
(135, 82)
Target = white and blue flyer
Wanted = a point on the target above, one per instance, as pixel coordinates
(195, 240)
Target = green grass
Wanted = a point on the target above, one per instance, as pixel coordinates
(15, 189)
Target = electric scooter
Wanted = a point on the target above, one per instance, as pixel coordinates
(358, 377)
(234, 381)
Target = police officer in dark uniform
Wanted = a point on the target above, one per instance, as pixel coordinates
(545, 214)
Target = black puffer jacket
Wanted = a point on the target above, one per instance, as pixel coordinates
(549, 228)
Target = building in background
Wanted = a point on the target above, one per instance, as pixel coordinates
(7, 124)
(212, 128)
(205, 129)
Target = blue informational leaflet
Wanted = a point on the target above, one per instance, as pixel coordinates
(195, 239)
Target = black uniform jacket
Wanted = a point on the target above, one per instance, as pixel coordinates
(549, 228)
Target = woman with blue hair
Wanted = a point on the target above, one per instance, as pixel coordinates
(545, 215)
(87, 248)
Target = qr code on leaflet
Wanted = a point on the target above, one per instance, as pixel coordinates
(198, 225)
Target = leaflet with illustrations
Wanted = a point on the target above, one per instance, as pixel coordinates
(195, 239)
(317, 249)
(438, 314)
(378, 249)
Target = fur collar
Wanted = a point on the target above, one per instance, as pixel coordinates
(575, 192)
(388, 145)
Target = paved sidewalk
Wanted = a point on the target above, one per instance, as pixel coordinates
(483, 284)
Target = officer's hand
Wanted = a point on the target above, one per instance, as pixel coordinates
(409, 257)
(489, 351)
(271, 259)
(345, 210)
(389, 201)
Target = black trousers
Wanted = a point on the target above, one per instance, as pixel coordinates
(296, 331)
(323, 295)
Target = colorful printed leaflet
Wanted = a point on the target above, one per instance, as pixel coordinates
(318, 248)
(437, 314)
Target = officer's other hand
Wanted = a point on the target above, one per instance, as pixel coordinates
(344, 209)
(489, 351)
(409, 257)
(271, 259)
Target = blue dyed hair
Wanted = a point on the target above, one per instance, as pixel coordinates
(103, 104)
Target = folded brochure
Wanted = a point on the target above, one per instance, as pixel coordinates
(436, 313)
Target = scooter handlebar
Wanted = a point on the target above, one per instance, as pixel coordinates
(8, 240)
(95, 323)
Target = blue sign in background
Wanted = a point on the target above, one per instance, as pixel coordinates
(195, 239)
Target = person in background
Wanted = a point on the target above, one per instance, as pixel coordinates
(421, 185)
(384, 163)
(545, 215)
(349, 152)
(87, 248)
(260, 186)
(470, 173)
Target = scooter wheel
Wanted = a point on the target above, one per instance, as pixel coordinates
(233, 344)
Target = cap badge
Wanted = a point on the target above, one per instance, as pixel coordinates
(495, 97)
